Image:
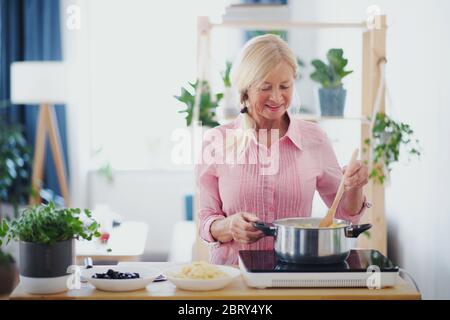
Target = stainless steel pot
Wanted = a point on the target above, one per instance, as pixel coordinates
(300, 240)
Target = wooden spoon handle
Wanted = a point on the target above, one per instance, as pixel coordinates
(331, 212)
(337, 199)
(341, 188)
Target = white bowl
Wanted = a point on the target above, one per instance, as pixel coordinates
(202, 284)
(146, 276)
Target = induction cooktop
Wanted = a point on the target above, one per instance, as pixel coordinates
(362, 268)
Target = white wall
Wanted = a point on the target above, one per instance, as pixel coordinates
(417, 212)
(127, 61)
(76, 54)
(304, 44)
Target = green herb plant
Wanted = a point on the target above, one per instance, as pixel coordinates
(330, 75)
(5, 258)
(208, 103)
(388, 136)
(47, 224)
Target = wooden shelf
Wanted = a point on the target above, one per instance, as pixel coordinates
(373, 50)
(277, 25)
(316, 118)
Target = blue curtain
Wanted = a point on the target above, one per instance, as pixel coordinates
(30, 31)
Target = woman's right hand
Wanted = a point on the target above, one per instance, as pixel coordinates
(237, 227)
(242, 229)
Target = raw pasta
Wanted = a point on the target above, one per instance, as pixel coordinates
(309, 225)
(201, 270)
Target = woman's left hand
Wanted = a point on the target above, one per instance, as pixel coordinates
(355, 176)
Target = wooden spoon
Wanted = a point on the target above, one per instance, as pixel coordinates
(328, 219)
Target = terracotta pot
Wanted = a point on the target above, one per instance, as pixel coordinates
(9, 278)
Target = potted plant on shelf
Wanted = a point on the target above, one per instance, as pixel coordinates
(46, 244)
(208, 103)
(388, 136)
(230, 101)
(8, 274)
(332, 93)
(15, 168)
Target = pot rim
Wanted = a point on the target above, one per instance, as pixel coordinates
(46, 244)
(344, 224)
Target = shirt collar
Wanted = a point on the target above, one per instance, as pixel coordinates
(293, 132)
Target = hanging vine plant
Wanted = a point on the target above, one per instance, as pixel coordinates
(388, 136)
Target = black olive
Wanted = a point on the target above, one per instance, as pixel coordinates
(111, 274)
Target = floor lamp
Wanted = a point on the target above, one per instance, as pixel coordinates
(44, 84)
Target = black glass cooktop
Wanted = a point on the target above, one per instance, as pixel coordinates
(357, 261)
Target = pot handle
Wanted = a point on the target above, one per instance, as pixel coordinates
(268, 229)
(353, 231)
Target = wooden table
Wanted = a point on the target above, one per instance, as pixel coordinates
(237, 290)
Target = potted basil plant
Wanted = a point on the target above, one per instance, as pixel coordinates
(332, 93)
(46, 244)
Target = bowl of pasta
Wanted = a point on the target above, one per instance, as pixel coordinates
(201, 276)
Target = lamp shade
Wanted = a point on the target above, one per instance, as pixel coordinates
(38, 82)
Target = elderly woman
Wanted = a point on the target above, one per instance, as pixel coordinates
(234, 195)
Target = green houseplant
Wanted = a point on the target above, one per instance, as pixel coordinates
(329, 76)
(388, 136)
(46, 243)
(225, 75)
(230, 96)
(15, 166)
(208, 103)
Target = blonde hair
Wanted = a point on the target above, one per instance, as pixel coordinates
(258, 57)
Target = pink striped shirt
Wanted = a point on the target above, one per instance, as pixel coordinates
(306, 163)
